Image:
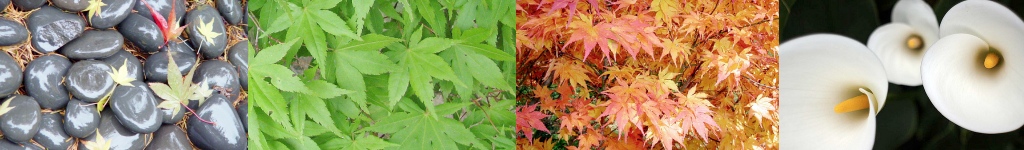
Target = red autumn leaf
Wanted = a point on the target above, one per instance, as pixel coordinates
(527, 119)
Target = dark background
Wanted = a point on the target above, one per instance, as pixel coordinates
(908, 119)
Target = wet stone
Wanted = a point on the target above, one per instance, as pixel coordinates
(179, 47)
(28, 4)
(204, 14)
(89, 80)
(231, 10)
(227, 134)
(218, 74)
(93, 44)
(135, 107)
(51, 134)
(119, 136)
(4, 3)
(10, 75)
(163, 7)
(156, 65)
(239, 57)
(80, 119)
(119, 58)
(169, 137)
(52, 28)
(7, 145)
(112, 14)
(243, 112)
(142, 33)
(21, 123)
(12, 32)
(71, 5)
(43, 78)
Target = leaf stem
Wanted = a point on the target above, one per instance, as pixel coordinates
(196, 114)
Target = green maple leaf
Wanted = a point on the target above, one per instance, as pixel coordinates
(179, 90)
(419, 131)
(206, 29)
(361, 143)
(420, 63)
(94, 7)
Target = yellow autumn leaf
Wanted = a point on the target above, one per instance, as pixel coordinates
(206, 29)
(99, 144)
(94, 7)
(120, 75)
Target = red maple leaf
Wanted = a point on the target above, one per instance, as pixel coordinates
(527, 119)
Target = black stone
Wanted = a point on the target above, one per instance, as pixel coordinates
(239, 57)
(71, 5)
(21, 123)
(135, 107)
(206, 14)
(227, 134)
(28, 4)
(51, 134)
(231, 10)
(12, 32)
(111, 14)
(10, 75)
(52, 28)
(118, 136)
(164, 8)
(7, 145)
(89, 80)
(218, 74)
(94, 44)
(169, 137)
(80, 119)
(142, 33)
(43, 81)
(155, 68)
(134, 66)
(243, 112)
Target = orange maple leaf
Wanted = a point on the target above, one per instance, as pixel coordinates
(584, 29)
(624, 104)
(570, 71)
(696, 115)
(590, 139)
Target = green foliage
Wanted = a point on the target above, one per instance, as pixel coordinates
(384, 74)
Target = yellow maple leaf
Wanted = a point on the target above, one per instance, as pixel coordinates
(99, 144)
(94, 7)
(120, 75)
(762, 107)
(206, 29)
(6, 106)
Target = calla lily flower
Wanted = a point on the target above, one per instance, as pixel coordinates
(901, 44)
(832, 88)
(973, 74)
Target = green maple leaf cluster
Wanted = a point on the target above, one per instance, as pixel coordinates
(385, 74)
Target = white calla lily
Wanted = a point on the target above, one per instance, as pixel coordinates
(973, 74)
(832, 88)
(901, 44)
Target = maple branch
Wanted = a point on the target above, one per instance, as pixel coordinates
(477, 103)
(260, 29)
(197, 115)
(722, 32)
(759, 83)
